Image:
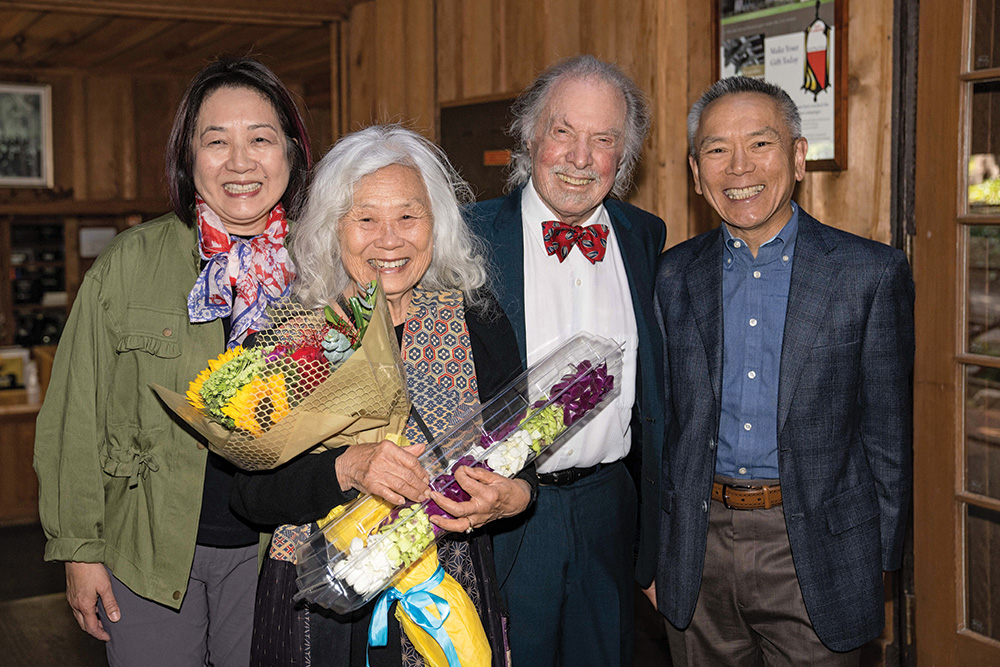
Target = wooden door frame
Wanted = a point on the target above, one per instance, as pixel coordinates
(938, 454)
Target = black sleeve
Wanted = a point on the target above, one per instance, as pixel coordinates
(497, 361)
(298, 492)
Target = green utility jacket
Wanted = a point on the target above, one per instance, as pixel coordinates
(120, 482)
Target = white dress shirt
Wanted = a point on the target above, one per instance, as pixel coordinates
(563, 299)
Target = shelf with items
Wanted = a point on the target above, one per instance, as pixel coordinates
(45, 250)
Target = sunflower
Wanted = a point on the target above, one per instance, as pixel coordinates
(259, 404)
(194, 389)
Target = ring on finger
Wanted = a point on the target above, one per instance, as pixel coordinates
(469, 529)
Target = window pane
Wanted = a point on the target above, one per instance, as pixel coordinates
(984, 149)
(986, 51)
(982, 430)
(982, 572)
(983, 289)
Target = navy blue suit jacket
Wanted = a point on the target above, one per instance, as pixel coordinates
(844, 422)
(641, 236)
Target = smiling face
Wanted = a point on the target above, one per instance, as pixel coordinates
(388, 232)
(577, 147)
(241, 164)
(746, 164)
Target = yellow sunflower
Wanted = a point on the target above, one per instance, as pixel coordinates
(194, 389)
(259, 404)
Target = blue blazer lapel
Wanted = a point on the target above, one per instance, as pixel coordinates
(508, 252)
(704, 287)
(814, 273)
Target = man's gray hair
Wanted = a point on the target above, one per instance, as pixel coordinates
(530, 104)
(458, 261)
(742, 84)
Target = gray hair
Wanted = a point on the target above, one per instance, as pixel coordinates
(530, 104)
(458, 261)
(743, 84)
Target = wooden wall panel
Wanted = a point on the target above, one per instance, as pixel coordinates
(391, 75)
(109, 139)
(858, 198)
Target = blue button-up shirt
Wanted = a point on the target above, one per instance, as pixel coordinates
(754, 301)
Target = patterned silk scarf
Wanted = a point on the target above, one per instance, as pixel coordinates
(258, 268)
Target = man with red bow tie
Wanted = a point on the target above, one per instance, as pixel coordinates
(571, 259)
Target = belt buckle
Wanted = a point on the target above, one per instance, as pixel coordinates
(725, 495)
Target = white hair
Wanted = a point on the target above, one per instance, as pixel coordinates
(458, 261)
(528, 108)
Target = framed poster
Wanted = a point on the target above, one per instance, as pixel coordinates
(800, 45)
(25, 136)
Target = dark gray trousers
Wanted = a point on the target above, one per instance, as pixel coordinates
(212, 627)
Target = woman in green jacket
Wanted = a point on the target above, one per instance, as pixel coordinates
(156, 564)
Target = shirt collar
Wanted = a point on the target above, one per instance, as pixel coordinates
(782, 243)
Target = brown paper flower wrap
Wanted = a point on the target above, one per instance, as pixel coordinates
(295, 402)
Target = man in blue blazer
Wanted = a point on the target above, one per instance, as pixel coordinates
(788, 352)
(570, 259)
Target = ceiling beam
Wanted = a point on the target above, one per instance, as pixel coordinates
(272, 12)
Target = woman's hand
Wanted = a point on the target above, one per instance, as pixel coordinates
(85, 583)
(493, 497)
(384, 469)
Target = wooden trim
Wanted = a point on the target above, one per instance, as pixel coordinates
(143, 207)
(278, 12)
(480, 99)
(978, 500)
(937, 404)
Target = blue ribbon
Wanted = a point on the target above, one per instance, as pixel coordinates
(415, 602)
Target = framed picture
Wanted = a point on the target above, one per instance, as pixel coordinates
(25, 136)
(800, 45)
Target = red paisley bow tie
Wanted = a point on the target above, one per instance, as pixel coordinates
(560, 238)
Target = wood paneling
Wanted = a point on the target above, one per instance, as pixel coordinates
(487, 49)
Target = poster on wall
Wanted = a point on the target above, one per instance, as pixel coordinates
(25, 136)
(798, 45)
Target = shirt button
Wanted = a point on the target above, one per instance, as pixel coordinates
(747, 426)
(737, 244)
(704, 506)
(711, 443)
(578, 282)
(753, 322)
(569, 453)
(756, 274)
(743, 471)
(177, 595)
(729, 260)
(751, 375)
(168, 332)
(784, 258)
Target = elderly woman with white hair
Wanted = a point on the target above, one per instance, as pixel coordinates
(385, 202)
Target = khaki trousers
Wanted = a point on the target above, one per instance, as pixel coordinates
(750, 610)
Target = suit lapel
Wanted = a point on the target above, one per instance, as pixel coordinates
(813, 277)
(509, 248)
(704, 286)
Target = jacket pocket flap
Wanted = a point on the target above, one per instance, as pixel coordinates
(851, 508)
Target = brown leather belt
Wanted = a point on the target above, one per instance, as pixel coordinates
(747, 497)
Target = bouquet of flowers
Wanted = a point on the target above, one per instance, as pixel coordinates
(306, 377)
(367, 545)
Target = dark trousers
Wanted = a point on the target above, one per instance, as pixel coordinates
(750, 611)
(571, 587)
(212, 627)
